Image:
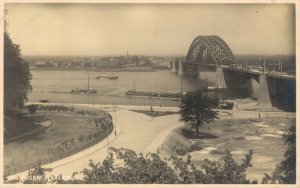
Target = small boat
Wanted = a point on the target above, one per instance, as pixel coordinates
(211, 88)
(44, 100)
(85, 91)
(107, 77)
(91, 90)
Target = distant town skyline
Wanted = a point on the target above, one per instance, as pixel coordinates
(149, 29)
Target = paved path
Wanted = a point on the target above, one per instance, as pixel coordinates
(135, 131)
(242, 114)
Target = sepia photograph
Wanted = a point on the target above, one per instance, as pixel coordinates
(149, 93)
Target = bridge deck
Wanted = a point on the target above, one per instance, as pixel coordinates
(257, 70)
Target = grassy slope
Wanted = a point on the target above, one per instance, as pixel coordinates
(17, 126)
(65, 125)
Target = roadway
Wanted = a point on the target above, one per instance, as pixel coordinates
(251, 69)
(135, 131)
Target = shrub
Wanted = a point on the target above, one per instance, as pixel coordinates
(180, 151)
(96, 122)
(217, 152)
(32, 108)
(72, 141)
(239, 138)
(37, 176)
(81, 138)
(197, 146)
(285, 172)
(151, 169)
(95, 135)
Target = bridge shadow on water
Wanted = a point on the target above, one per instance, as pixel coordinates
(220, 93)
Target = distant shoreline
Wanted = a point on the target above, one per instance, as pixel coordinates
(96, 69)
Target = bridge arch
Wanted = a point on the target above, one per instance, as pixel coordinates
(210, 51)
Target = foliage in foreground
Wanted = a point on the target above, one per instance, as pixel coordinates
(285, 172)
(196, 109)
(124, 166)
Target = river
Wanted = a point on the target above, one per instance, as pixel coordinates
(55, 85)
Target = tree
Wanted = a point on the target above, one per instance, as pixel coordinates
(285, 172)
(16, 76)
(196, 109)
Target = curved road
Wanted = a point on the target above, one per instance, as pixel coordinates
(135, 131)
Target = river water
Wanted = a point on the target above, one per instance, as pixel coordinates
(55, 85)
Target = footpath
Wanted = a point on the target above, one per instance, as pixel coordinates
(135, 131)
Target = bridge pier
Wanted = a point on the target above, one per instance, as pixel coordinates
(173, 67)
(180, 69)
(255, 88)
(220, 78)
(264, 99)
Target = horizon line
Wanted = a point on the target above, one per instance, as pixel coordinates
(146, 55)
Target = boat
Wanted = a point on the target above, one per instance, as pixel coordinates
(107, 77)
(85, 91)
(226, 105)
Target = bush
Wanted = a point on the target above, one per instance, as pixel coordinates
(95, 135)
(55, 108)
(181, 151)
(151, 169)
(32, 108)
(81, 138)
(37, 176)
(197, 146)
(96, 122)
(81, 112)
(285, 172)
(239, 138)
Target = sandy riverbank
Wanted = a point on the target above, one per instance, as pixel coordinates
(239, 136)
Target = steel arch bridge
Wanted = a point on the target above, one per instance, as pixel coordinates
(208, 51)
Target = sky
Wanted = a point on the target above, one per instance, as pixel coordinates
(149, 29)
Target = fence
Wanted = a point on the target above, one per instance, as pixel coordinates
(15, 168)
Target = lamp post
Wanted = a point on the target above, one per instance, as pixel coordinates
(206, 84)
(107, 139)
(223, 94)
(115, 119)
(218, 92)
(180, 83)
